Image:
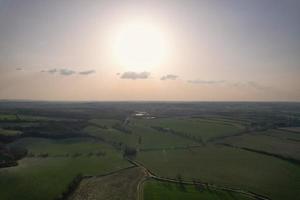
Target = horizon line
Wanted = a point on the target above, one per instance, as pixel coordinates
(147, 101)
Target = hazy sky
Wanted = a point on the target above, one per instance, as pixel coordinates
(150, 50)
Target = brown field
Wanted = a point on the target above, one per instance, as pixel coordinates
(120, 185)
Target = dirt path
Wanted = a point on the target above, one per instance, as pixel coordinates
(140, 188)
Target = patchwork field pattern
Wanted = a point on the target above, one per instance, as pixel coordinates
(52, 166)
(229, 167)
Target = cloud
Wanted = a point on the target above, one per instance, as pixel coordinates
(135, 75)
(207, 82)
(169, 77)
(51, 71)
(241, 84)
(251, 84)
(66, 72)
(87, 72)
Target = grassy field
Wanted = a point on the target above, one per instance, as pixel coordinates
(9, 132)
(28, 118)
(47, 177)
(120, 185)
(265, 143)
(199, 128)
(104, 122)
(103, 128)
(112, 135)
(18, 124)
(152, 138)
(7, 117)
(149, 138)
(63, 147)
(37, 118)
(228, 167)
(235, 122)
(282, 134)
(293, 129)
(155, 190)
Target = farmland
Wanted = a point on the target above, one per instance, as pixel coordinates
(155, 190)
(285, 135)
(52, 165)
(264, 142)
(149, 138)
(202, 129)
(226, 166)
(292, 129)
(148, 151)
(112, 186)
(4, 132)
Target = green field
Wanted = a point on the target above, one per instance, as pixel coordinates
(63, 147)
(222, 120)
(228, 167)
(152, 138)
(282, 134)
(205, 129)
(18, 124)
(149, 138)
(28, 118)
(292, 129)
(5, 132)
(8, 117)
(104, 122)
(37, 118)
(266, 143)
(112, 135)
(47, 177)
(193, 127)
(155, 190)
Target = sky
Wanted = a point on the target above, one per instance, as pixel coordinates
(95, 50)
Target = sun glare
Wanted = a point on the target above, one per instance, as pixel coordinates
(140, 46)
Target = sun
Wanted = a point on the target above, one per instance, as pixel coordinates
(140, 46)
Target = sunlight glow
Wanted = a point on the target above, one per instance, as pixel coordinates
(140, 46)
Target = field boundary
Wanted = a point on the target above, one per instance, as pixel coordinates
(70, 193)
(170, 148)
(287, 159)
(288, 130)
(152, 175)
